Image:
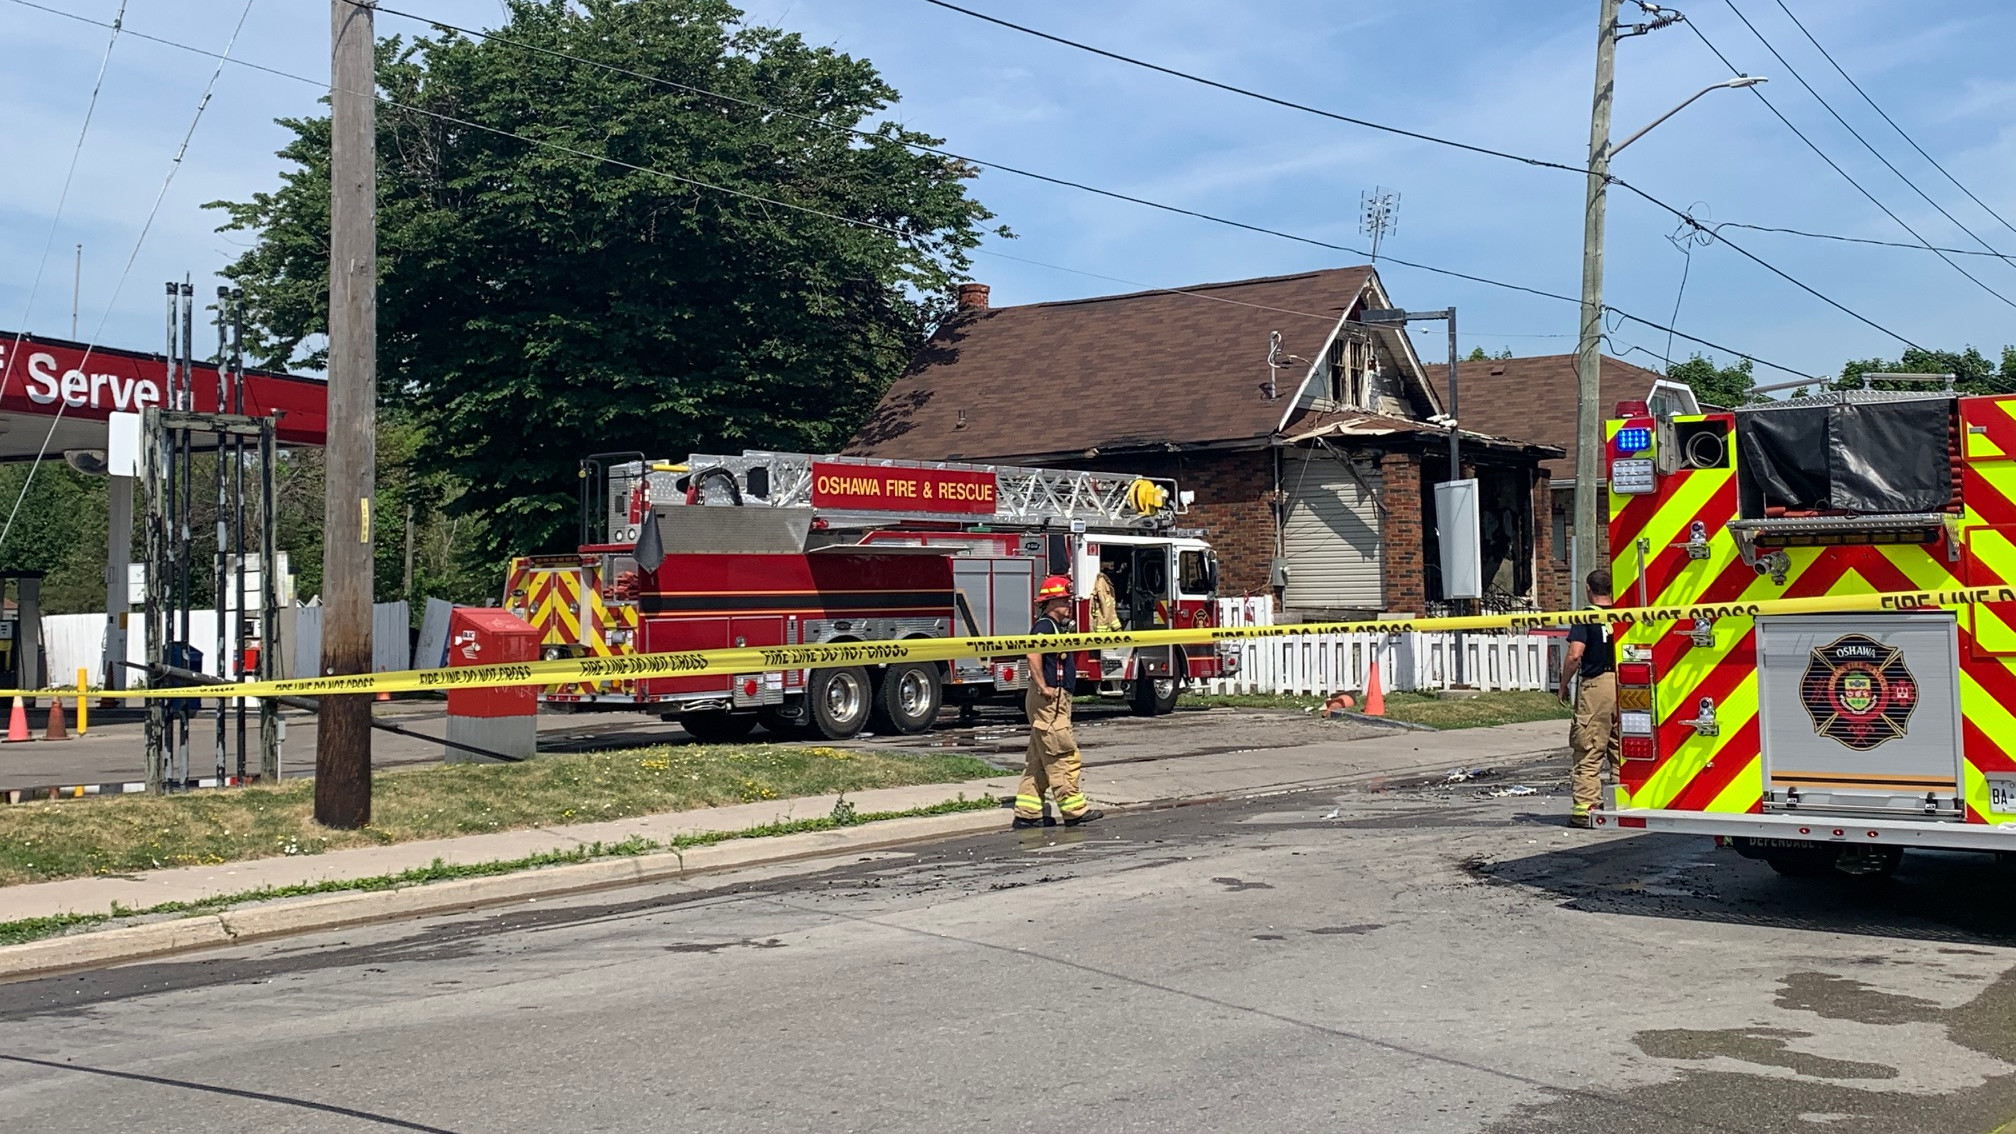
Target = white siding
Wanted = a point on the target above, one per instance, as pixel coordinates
(1332, 534)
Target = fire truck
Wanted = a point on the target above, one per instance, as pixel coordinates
(1817, 742)
(773, 549)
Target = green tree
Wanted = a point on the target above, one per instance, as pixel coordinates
(1974, 373)
(1478, 354)
(1726, 386)
(537, 305)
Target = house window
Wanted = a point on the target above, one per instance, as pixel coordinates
(1350, 356)
(1561, 535)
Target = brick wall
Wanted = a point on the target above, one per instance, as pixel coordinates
(1549, 577)
(1401, 543)
(1233, 506)
(1563, 505)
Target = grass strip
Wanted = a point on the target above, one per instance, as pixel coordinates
(49, 840)
(1483, 710)
(843, 815)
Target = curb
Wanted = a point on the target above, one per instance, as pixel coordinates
(95, 949)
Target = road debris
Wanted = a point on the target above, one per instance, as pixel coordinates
(1516, 789)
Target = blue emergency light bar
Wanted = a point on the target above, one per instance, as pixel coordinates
(1635, 439)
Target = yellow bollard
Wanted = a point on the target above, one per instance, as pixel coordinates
(83, 713)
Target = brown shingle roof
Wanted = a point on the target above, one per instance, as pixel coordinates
(1533, 399)
(1119, 371)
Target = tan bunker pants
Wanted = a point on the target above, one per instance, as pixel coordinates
(1053, 759)
(1592, 739)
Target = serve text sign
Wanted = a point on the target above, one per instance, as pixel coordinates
(47, 377)
(875, 488)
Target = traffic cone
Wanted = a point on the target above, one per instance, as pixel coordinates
(17, 722)
(57, 731)
(1375, 698)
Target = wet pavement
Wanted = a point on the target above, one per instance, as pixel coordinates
(1404, 957)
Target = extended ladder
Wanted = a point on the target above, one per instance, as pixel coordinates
(1024, 497)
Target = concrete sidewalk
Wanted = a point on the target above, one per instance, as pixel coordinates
(1131, 782)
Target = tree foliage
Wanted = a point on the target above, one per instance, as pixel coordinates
(1974, 372)
(539, 302)
(1725, 386)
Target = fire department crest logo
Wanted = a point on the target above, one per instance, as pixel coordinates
(1859, 691)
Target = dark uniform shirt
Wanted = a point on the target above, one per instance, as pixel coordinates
(1060, 671)
(1599, 654)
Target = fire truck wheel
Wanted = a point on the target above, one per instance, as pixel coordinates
(717, 727)
(840, 700)
(1155, 697)
(908, 698)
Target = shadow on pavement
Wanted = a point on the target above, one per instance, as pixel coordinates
(1934, 896)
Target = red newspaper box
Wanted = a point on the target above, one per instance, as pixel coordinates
(500, 720)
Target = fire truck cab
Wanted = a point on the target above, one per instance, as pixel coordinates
(1826, 742)
(773, 549)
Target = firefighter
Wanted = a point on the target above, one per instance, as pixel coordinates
(1105, 607)
(1592, 738)
(1053, 750)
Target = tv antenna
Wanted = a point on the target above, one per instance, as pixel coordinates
(1378, 215)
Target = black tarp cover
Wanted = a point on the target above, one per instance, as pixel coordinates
(1888, 456)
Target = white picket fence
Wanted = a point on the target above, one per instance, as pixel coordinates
(1317, 665)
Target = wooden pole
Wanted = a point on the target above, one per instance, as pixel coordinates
(343, 734)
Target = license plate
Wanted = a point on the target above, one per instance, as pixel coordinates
(2002, 795)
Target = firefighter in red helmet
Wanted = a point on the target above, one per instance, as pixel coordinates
(1053, 750)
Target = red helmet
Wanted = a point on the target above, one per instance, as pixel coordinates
(1054, 587)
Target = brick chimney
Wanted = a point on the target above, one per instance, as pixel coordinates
(973, 296)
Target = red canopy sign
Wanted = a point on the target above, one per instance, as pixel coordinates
(879, 488)
(47, 376)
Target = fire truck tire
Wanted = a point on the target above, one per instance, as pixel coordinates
(839, 700)
(717, 727)
(1156, 697)
(908, 698)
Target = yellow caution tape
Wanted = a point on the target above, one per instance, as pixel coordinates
(765, 659)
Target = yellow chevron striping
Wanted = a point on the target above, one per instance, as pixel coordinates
(1992, 717)
(1695, 753)
(1667, 526)
(1744, 791)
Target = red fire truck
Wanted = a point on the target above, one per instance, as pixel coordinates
(1818, 742)
(767, 549)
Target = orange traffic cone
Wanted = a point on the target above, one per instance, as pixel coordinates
(17, 722)
(1375, 698)
(57, 731)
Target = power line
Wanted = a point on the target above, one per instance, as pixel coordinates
(841, 218)
(1146, 202)
(1845, 175)
(174, 166)
(62, 198)
(1886, 117)
(1854, 239)
(1854, 132)
(1282, 102)
(1676, 212)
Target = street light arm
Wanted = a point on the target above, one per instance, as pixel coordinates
(1742, 81)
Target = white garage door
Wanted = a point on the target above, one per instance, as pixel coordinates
(1331, 537)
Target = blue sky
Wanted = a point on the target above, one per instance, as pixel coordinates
(1512, 76)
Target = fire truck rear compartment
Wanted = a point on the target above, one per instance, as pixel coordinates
(1860, 715)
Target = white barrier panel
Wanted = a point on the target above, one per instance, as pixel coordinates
(1322, 664)
(73, 640)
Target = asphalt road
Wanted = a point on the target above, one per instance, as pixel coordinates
(1405, 960)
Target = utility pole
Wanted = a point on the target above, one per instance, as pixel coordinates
(343, 732)
(1589, 344)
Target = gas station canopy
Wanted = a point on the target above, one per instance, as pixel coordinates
(77, 387)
